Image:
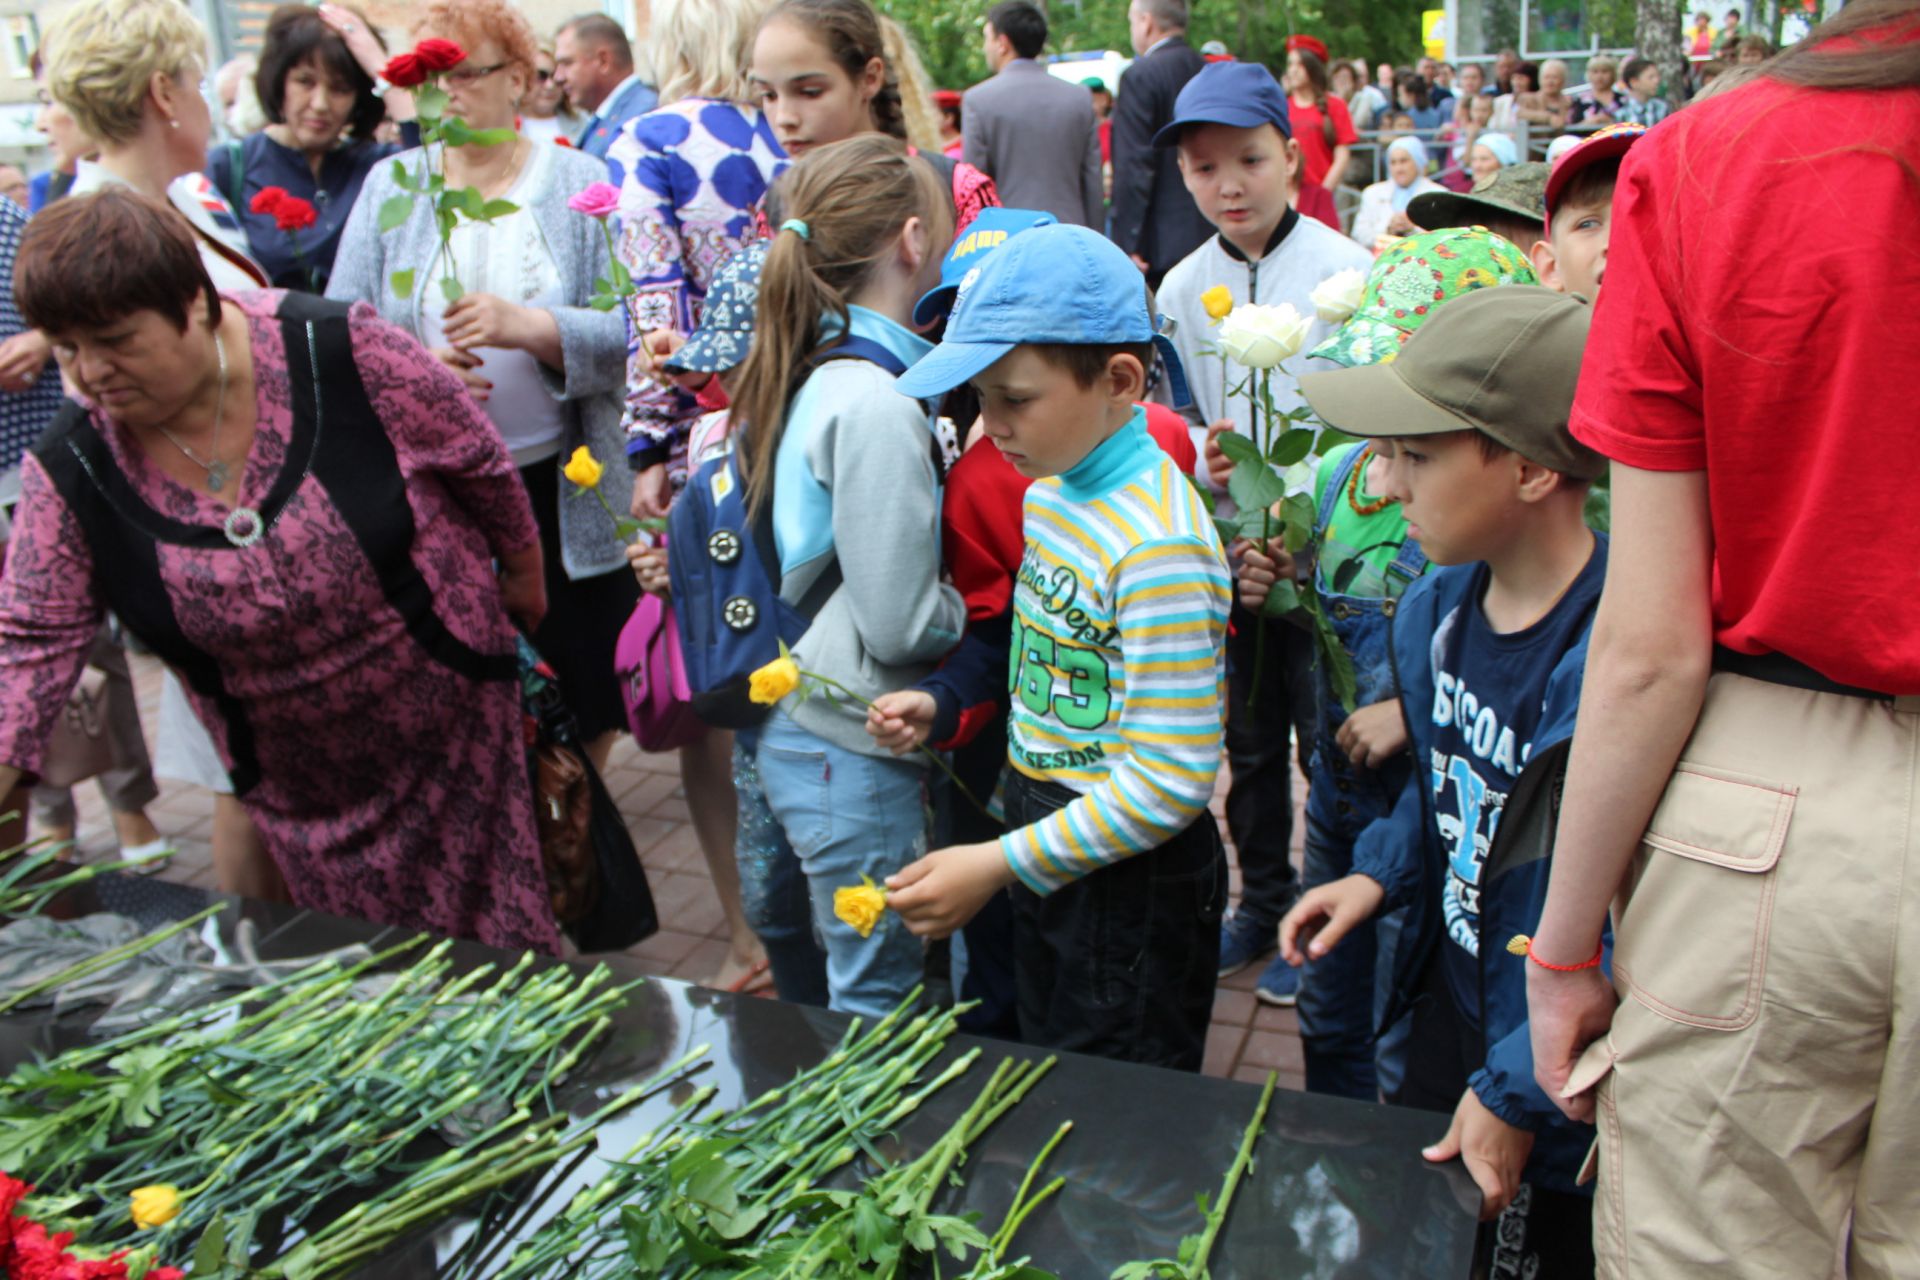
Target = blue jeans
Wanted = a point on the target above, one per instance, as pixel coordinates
(842, 815)
(773, 890)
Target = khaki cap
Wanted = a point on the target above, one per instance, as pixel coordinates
(1500, 361)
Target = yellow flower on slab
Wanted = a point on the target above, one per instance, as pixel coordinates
(774, 681)
(1219, 303)
(860, 905)
(583, 470)
(154, 1206)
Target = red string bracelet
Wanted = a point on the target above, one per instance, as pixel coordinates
(1522, 945)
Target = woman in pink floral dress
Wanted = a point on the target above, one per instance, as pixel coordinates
(299, 510)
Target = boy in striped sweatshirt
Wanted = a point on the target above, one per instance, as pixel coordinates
(1120, 609)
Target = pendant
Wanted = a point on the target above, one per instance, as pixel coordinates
(243, 526)
(216, 477)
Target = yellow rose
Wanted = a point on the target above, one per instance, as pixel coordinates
(1261, 337)
(155, 1205)
(583, 470)
(1218, 301)
(860, 905)
(774, 681)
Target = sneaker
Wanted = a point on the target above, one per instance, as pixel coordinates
(1279, 984)
(1242, 941)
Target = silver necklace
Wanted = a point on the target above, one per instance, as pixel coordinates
(217, 471)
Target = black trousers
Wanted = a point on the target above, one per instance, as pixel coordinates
(1543, 1234)
(1121, 963)
(1259, 751)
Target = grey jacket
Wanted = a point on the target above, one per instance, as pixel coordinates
(1035, 135)
(857, 459)
(593, 343)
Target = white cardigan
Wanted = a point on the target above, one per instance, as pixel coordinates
(1376, 207)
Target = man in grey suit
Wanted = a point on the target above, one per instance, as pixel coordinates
(1033, 133)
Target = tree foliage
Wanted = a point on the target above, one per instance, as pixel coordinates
(948, 31)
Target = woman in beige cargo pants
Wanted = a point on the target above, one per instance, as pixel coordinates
(1744, 787)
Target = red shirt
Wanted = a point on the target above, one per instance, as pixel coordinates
(1317, 202)
(1315, 154)
(981, 535)
(1760, 322)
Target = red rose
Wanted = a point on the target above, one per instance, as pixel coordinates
(293, 214)
(404, 71)
(438, 55)
(268, 200)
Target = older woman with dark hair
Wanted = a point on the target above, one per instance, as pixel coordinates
(298, 509)
(316, 84)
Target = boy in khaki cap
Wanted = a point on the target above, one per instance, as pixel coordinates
(1488, 651)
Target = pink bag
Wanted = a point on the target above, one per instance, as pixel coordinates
(653, 679)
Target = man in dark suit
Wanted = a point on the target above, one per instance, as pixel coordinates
(1154, 219)
(1033, 133)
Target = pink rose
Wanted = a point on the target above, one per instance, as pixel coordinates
(600, 200)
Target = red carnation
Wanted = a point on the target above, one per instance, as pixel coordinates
(293, 214)
(404, 71)
(438, 55)
(268, 200)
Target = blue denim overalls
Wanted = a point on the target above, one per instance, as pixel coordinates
(1338, 997)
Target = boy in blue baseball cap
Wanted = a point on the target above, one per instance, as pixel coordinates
(1120, 610)
(1237, 156)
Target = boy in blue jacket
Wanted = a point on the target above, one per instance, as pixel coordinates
(1488, 652)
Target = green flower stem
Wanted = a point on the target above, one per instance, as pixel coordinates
(108, 959)
(930, 753)
(1017, 1212)
(1244, 1158)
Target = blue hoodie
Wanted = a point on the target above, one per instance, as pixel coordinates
(1404, 853)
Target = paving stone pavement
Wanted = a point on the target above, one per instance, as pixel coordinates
(1245, 1041)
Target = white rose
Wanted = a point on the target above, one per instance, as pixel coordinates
(1339, 295)
(1261, 337)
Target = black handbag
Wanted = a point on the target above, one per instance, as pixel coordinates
(597, 886)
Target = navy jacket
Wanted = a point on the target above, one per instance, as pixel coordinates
(1403, 852)
(1153, 215)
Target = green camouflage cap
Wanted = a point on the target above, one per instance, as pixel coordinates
(1410, 281)
(1517, 190)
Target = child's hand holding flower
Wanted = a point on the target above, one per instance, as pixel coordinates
(947, 888)
(901, 721)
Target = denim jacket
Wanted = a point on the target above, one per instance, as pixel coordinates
(1402, 852)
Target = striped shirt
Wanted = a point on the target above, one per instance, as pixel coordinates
(1119, 622)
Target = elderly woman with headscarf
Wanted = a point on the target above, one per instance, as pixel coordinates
(1383, 206)
(1491, 152)
(299, 509)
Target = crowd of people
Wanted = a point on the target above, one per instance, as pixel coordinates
(917, 426)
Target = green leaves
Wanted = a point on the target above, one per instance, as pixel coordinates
(394, 212)
(451, 289)
(1253, 484)
(402, 282)
(430, 104)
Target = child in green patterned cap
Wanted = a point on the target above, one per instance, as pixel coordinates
(1364, 561)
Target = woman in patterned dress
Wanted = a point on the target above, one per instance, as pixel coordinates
(298, 509)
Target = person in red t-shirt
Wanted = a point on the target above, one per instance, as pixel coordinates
(1321, 124)
(1748, 749)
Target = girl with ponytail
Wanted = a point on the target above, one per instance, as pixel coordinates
(847, 468)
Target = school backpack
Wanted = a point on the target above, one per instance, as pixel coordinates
(725, 570)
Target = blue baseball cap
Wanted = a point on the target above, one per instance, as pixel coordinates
(1241, 94)
(1057, 283)
(988, 231)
